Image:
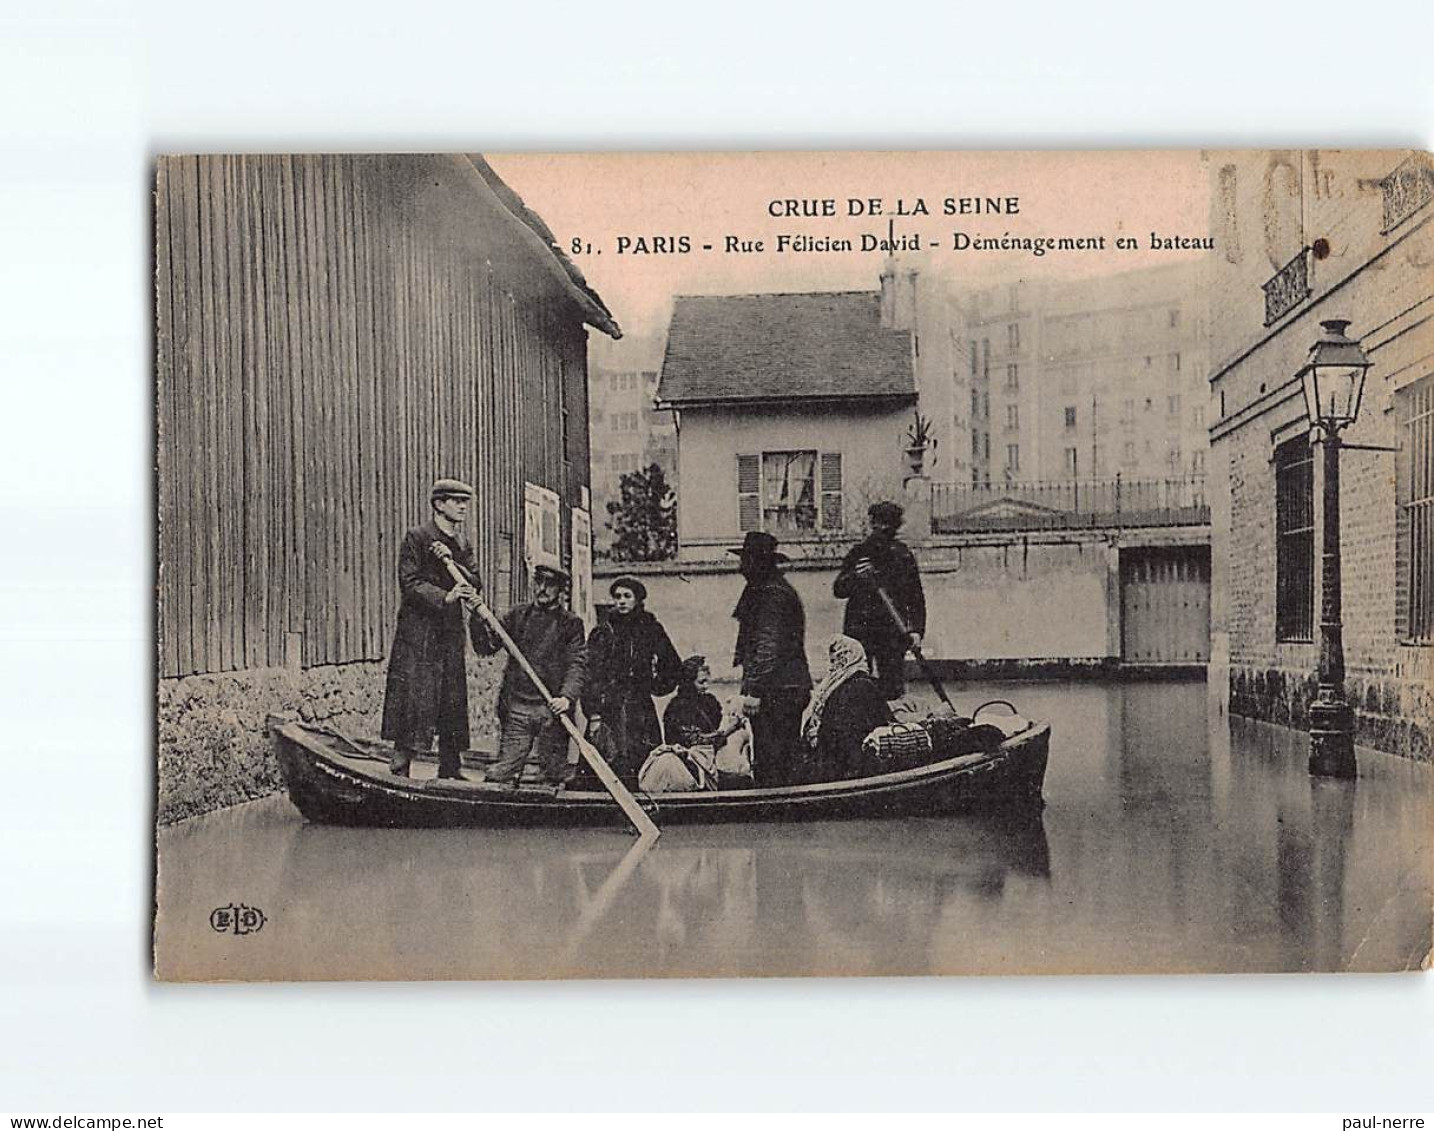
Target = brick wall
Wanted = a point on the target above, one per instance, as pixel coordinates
(1385, 286)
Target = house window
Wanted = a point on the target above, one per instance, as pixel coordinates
(1013, 457)
(974, 367)
(1072, 462)
(1013, 416)
(986, 358)
(1070, 416)
(1415, 489)
(1174, 363)
(1013, 376)
(975, 405)
(1127, 452)
(1197, 462)
(1172, 405)
(1175, 460)
(1294, 541)
(1174, 319)
(789, 492)
(1013, 335)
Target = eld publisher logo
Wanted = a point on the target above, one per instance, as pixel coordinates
(237, 918)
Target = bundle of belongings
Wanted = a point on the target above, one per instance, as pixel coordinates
(904, 745)
(724, 763)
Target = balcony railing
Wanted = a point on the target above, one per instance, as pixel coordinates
(1069, 504)
(1289, 287)
(1406, 190)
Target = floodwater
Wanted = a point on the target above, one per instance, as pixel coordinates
(1168, 843)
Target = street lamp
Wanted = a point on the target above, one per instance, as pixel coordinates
(1333, 382)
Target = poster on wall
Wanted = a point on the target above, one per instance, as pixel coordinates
(582, 569)
(989, 485)
(541, 509)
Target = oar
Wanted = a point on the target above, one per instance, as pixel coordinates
(620, 793)
(915, 648)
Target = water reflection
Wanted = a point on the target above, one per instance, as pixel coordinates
(1165, 846)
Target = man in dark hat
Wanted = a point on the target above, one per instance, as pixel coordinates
(771, 651)
(879, 562)
(427, 687)
(553, 639)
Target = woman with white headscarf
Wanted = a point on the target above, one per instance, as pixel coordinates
(846, 707)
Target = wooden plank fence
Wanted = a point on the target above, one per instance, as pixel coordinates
(333, 333)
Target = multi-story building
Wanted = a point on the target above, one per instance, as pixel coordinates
(1304, 237)
(627, 431)
(1087, 379)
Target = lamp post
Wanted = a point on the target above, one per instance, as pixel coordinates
(1333, 383)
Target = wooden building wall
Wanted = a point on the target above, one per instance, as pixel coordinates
(333, 333)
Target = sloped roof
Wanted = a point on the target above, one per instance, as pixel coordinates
(824, 346)
(595, 311)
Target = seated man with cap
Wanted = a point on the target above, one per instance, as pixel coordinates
(427, 687)
(554, 641)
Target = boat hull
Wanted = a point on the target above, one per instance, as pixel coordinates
(331, 785)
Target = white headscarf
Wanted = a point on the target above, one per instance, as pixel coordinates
(846, 658)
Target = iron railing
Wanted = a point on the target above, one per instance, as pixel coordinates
(1066, 504)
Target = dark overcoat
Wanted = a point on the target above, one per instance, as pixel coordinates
(630, 659)
(427, 688)
(867, 618)
(771, 638)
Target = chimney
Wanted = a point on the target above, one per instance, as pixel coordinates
(898, 295)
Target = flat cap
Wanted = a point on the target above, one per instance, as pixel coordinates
(450, 489)
(885, 512)
(551, 573)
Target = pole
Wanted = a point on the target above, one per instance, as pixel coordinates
(1331, 720)
(611, 782)
(911, 644)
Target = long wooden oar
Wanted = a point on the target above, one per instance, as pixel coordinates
(611, 782)
(915, 648)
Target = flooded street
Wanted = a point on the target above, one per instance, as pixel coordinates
(1167, 844)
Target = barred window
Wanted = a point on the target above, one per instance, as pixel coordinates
(1294, 541)
(1415, 487)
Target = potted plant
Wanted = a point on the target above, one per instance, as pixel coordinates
(919, 441)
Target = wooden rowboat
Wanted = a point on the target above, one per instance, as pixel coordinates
(333, 779)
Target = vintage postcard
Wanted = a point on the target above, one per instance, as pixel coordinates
(777, 564)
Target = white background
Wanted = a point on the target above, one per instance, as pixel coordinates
(89, 92)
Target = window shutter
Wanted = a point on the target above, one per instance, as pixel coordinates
(831, 491)
(749, 486)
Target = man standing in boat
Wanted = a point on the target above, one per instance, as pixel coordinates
(772, 653)
(555, 642)
(882, 563)
(427, 688)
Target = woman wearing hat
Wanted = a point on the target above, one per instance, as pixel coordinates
(630, 659)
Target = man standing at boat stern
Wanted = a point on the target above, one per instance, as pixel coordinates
(427, 688)
(772, 653)
(554, 640)
(879, 563)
